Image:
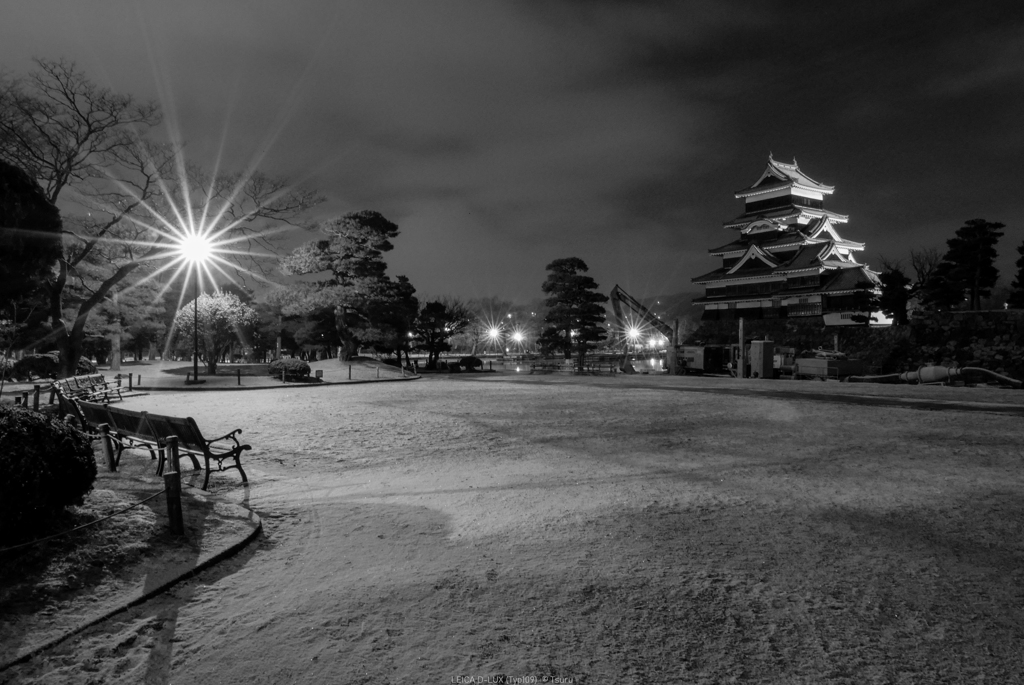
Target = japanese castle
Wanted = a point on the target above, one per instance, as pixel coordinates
(788, 259)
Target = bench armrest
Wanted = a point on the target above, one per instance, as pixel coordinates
(233, 435)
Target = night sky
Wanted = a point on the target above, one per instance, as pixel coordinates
(502, 135)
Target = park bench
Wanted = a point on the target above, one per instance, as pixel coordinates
(139, 429)
(91, 387)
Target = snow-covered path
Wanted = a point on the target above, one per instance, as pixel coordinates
(421, 531)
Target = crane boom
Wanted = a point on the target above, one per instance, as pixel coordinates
(620, 297)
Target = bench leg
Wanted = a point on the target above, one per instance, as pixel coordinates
(206, 481)
(238, 465)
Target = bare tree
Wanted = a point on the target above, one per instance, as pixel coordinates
(86, 147)
(63, 129)
(924, 262)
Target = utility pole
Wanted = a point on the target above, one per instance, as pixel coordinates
(672, 356)
(741, 358)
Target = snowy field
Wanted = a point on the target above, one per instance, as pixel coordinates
(528, 527)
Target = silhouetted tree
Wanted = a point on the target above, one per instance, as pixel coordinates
(575, 309)
(1016, 299)
(436, 324)
(895, 292)
(30, 229)
(967, 271)
(354, 278)
(387, 317)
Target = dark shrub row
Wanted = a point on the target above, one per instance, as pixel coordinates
(293, 368)
(46, 365)
(45, 466)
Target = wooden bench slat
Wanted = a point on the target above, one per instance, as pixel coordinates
(131, 428)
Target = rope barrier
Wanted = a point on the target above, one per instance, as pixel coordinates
(84, 525)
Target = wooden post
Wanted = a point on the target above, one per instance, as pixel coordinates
(129, 382)
(238, 372)
(490, 365)
(53, 394)
(378, 372)
(835, 341)
(108, 446)
(188, 377)
(350, 372)
(741, 357)
(282, 375)
(35, 397)
(172, 488)
(401, 367)
(24, 398)
(172, 452)
(118, 380)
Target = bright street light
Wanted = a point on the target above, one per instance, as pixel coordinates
(195, 248)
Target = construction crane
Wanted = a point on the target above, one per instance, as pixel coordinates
(642, 318)
(642, 315)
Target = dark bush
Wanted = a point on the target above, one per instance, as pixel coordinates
(293, 368)
(85, 367)
(471, 363)
(37, 366)
(46, 465)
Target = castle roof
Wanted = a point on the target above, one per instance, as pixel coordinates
(818, 256)
(793, 212)
(778, 175)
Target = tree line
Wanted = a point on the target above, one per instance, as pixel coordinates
(962, 277)
(98, 275)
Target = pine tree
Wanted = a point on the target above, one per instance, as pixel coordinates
(575, 309)
(1016, 299)
(967, 271)
(895, 294)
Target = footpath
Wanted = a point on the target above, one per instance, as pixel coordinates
(215, 526)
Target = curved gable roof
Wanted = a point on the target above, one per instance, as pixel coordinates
(781, 175)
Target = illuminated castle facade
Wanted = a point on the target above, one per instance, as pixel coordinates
(788, 258)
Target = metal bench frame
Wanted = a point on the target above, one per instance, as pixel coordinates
(139, 429)
(93, 387)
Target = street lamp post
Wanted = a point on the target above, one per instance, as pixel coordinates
(195, 326)
(196, 248)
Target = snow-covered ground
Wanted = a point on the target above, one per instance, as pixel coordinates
(475, 526)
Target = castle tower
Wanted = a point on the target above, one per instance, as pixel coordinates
(787, 259)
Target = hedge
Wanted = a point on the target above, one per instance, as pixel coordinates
(45, 466)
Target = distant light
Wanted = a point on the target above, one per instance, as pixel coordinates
(633, 333)
(517, 336)
(494, 333)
